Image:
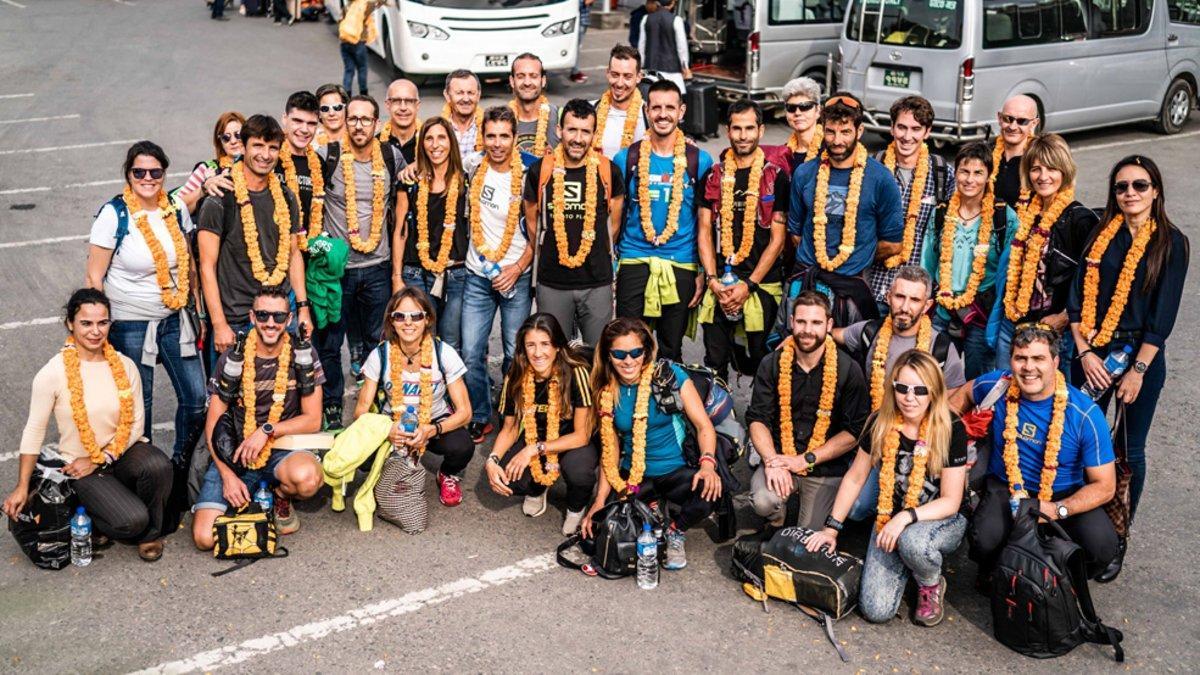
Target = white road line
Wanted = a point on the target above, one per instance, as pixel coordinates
(1133, 141)
(356, 618)
(6, 456)
(7, 96)
(46, 320)
(68, 186)
(41, 119)
(38, 242)
(56, 148)
(13, 3)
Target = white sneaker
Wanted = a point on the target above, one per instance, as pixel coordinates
(534, 506)
(571, 522)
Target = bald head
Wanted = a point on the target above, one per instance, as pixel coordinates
(403, 103)
(1018, 122)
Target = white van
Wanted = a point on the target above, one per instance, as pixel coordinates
(435, 37)
(1087, 63)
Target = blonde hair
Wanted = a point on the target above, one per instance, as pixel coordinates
(938, 412)
(1051, 151)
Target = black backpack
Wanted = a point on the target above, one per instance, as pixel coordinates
(1041, 606)
(615, 529)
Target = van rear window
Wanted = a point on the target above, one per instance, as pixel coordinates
(932, 24)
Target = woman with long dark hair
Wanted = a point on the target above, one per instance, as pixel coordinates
(1126, 296)
(546, 405)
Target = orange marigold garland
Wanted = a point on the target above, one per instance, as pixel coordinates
(1102, 335)
(1026, 253)
(558, 210)
(610, 447)
(516, 175)
(1012, 463)
(379, 191)
(887, 473)
(849, 220)
(278, 394)
(543, 124)
(449, 224)
(174, 291)
(883, 342)
(543, 476)
(87, 437)
(787, 435)
(749, 215)
(946, 296)
(425, 387)
(643, 192)
(814, 143)
(916, 195)
(632, 114)
(316, 213)
(283, 222)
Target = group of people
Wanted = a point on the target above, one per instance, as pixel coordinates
(890, 309)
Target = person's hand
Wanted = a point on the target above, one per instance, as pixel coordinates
(223, 337)
(409, 173)
(1056, 321)
(507, 279)
(826, 538)
(687, 73)
(234, 491)
(1129, 387)
(735, 297)
(79, 468)
(585, 525)
(887, 537)
(496, 479)
(699, 292)
(217, 185)
(1048, 508)
(779, 481)
(707, 476)
(304, 318)
(1094, 371)
(398, 437)
(250, 447)
(14, 504)
(792, 464)
(421, 437)
(519, 462)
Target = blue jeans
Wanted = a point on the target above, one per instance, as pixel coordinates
(450, 306)
(480, 302)
(186, 374)
(212, 495)
(978, 357)
(868, 498)
(354, 57)
(1066, 348)
(365, 294)
(919, 551)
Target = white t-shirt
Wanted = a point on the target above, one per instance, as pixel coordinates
(453, 369)
(614, 129)
(131, 283)
(494, 201)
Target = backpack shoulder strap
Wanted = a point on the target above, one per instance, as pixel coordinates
(380, 392)
(122, 210)
(1098, 632)
(545, 173)
(693, 161)
(939, 183)
(333, 152)
(437, 361)
(941, 348)
(866, 341)
(605, 170)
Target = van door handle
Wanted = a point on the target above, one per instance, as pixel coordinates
(1172, 38)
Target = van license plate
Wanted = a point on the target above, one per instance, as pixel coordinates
(496, 60)
(897, 79)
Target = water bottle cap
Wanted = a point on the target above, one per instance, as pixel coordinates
(79, 511)
(645, 527)
(262, 485)
(410, 409)
(481, 258)
(1128, 349)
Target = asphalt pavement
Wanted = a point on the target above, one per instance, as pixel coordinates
(479, 591)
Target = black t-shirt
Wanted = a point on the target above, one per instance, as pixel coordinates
(264, 387)
(581, 397)
(1008, 181)
(407, 148)
(303, 182)
(436, 218)
(597, 269)
(957, 456)
(762, 233)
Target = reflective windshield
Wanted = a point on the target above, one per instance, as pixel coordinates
(485, 4)
(934, 24)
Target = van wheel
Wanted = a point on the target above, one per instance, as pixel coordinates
(388, 57)
(1176, 108)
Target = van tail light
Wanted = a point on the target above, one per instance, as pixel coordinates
(752, 45)
(966, 80)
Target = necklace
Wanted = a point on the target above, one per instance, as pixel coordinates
(887, 473)
(787, 436)
(282, 218)
(87, 437)
(946, 297)
(478, 238)
(378, 194)
(916, 195)
(558, 196)
(543, 123)
(1026, 254)
(174, 293)
(1102, 335)
(643, 194)
(849, 220)
(749, 214)
(632, 114)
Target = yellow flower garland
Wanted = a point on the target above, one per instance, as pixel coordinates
(1012, 464)
(87, 437)
(396, 377)
(225, 162)
(543, 476)
(916, 194)
(643, 193)
(543, 124)
(849, 220)
(449, 223)
(814, 144)
(787, 434)
(283, 221)
(610, 448)
(749, 215)
(558, 210)
(174, 294)
(446, 113)
(1099, 337)
(883, 342)
(632, 114)
(316, 213)
(516, 175)
(379, 191)
(1026, 252)
(887, 473)
(278, 393)
(385, 134)
(946, 296)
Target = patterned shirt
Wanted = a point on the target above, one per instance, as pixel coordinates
(881, 277)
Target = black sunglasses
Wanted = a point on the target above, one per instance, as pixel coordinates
(412, 317)
(621, 354)
(225, 138)
(804, 106)
(337, 107)
(916, 389)
(262, 315)
(1019, 121)
(156, 174)
(1122, 186)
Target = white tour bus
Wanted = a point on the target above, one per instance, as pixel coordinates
(435, 37)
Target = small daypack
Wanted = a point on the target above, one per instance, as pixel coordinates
(940, 349)
(245, 535)
(718, 399)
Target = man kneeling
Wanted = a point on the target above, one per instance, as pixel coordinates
(280, 404)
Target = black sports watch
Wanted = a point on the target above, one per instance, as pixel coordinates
(811, 459)
(1140, 367)
(269, 430)
(833, 523)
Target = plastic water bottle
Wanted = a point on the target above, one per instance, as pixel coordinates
(264, 498)
(81, 538)
(729, 279)
(647, 559)
(1115, 364)
(230, 382)
(492, 270)
(302, 354)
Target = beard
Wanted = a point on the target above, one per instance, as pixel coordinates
(801, 339)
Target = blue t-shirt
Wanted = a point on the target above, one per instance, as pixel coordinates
(681, 248)
(664, 433)
(1085, 440)
(880, 215)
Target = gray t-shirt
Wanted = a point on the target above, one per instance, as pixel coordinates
(952, 368)
(335, 208)
(527, 132)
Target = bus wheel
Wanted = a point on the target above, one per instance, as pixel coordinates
(1176, 108)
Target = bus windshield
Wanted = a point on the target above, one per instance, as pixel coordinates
(485, 4)
(934, 24)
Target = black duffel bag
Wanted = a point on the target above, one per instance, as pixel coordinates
(613, 547)
(43, 528)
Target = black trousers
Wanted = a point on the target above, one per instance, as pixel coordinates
(456, 449)
(992, 522)
(126, 500)
(671, 326)
(676, 487)
(578, 468)
(720, 350)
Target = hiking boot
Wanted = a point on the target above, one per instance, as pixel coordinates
(676, 558)
(333, 418)
(479, 431)
(571, 522)
(534, 506)
(287, 521)
(449, 490)
(929, 604)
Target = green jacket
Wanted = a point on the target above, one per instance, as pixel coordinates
(323, 278)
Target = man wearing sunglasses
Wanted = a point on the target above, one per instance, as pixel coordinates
(813, 474)
(403, 103)
(1018, 121)
(332, 100)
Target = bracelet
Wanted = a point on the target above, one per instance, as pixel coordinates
(494, 459)
(438, 427)
(1085, 353)
(912, 512)
(303, 303)
(541, 449)
(709, 458)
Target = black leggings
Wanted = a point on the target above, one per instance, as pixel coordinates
(578, 469)
(676, 487)
(127, 499)
(671, 326)
(456, 449)
(720, 350)
(992, 522)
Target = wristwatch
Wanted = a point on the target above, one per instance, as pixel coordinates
(269, 429)
(303, 303)
(810, 459)
(1061, 509)
(1140, 367)
(833, 523)
(541, 449)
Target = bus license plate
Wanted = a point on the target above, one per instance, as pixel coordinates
(897, 79)
(496, 60)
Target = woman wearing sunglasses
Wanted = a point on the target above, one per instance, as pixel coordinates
(1127, 295)
(211, 177)
(920, 448)
(413, 368)
(642, 444)
(545, 384)
(802, 102)
(138, 255)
